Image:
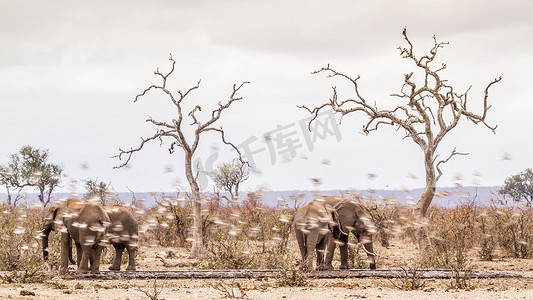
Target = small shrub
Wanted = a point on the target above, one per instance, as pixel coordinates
(453, 233)
(250, 235)
(232, 290)
(20, 245)
(293, 277)
(462, 280)
(487, 244)
(512, 226)
(409, 279)
(152, 294)
(225, 250)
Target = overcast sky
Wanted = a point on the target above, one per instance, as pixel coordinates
(69, 71)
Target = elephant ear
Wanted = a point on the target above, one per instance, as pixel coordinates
(50, 217)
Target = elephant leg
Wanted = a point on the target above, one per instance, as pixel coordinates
(132, 251)
(79, 253)
(96, 254)
(119, 248)
(65, 238)
(330, 251)
(311, 243)
(321, 248)
(369, 247)
(70, 250)
(300, 237)
(83, 267)
(86, 248)
(92, 258)
(343, 247)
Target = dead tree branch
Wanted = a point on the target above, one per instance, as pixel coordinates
(430, 108)
(454, 152)
(174, 131)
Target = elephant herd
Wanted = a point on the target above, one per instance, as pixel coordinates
(319, 226)
(91, 225)
(327, 221)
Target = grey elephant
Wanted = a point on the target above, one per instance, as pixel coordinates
(122, 234)
(84, 222)
(354, 218)
(313, 226)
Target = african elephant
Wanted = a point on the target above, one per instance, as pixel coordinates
(122, 234)
(83, 221)
(354, 218)
(313, 224)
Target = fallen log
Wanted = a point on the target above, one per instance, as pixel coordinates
(348, 273)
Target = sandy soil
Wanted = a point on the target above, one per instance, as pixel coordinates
(397, 255)
(318, 289)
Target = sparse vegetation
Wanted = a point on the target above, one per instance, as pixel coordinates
(512, 227)
(453, 233)
(20, 249)
(292, 277)
(154, 292)
(462, 279)
(251, 235)
(409, 279)
(231, 290)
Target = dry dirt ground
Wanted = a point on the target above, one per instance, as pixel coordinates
(397, 255)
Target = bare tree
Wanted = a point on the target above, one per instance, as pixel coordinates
(230, 175)
(431, 108)
(175, 129)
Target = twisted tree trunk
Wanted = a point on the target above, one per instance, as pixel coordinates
(197, 245)
(421, 208)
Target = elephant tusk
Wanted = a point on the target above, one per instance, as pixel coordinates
(366, 251)
(341, 229)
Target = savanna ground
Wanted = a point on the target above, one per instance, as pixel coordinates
(250, 236)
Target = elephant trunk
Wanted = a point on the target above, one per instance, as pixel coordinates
(47, 227)
(70, 250)
(45, 234)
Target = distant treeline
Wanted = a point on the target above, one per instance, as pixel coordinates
(446, 197)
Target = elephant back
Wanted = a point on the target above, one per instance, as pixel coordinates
(91, 212)
(124, 227)
(352, 214)
(312, 215)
